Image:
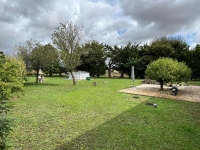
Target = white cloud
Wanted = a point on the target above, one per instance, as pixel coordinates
(108, 21)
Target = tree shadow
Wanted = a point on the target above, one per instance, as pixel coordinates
(40, 84)
(137, 128)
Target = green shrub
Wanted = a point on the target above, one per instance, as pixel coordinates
(12, 76)
(167, 70)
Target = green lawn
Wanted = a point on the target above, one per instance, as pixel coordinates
(197, 83)
(57, 115)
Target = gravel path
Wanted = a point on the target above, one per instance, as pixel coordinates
(187, 93)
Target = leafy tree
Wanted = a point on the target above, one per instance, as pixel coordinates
(121, 59)
(159, 47)
(52, 59)
(60, 69)
(93, 60)
(124, 54)
(66, 38)
(36, 56)
(143, 59)
(43, 57)
(37, 59)
(180, 48)
(12, 75)
(173, 47)
(111, 57)
(139, 67)
(193, 60)
(167, 70)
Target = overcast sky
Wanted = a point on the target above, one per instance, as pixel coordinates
(107, 21)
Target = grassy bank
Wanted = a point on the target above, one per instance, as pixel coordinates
(59, 115)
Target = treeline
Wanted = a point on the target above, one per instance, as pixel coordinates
(97, 57)
(67, 55)
(123, 57)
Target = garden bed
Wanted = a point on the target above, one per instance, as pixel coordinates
(187, 93)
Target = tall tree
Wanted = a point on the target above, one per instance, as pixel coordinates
(139, 67)
(180, 48)
(67, 38)
(124, 54)
(173, 47)
(159, 47)
(93, 60)
(52, 56)
(36, 56)
(193, 60)
(43, 57)
(111, 57)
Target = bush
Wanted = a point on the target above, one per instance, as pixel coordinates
(12, 76)
(167, 70)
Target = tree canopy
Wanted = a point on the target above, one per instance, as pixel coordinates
(37, 56)
(123, 55)
(93, 59)
(111, 57)
(193, 60)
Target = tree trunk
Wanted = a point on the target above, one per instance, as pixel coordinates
(50, 73)
(161, 84)
(109, 71)
(37, 70)
(122, 73)
(74, 80)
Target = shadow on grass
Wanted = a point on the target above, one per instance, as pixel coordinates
(40, 84)
(142, 127)
(110, 78)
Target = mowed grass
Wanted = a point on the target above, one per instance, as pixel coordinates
(196, 83)
(57, 115)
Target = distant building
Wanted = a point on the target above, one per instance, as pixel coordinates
(115, 73)
(34, 72)
(80, 75)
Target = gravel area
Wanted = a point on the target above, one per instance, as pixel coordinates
(187, 93)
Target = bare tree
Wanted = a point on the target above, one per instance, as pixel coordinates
(67, 38)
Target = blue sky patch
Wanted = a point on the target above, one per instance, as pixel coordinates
(120, 32)
(190, 39)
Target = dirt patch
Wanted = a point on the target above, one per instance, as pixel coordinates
(187, 93)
